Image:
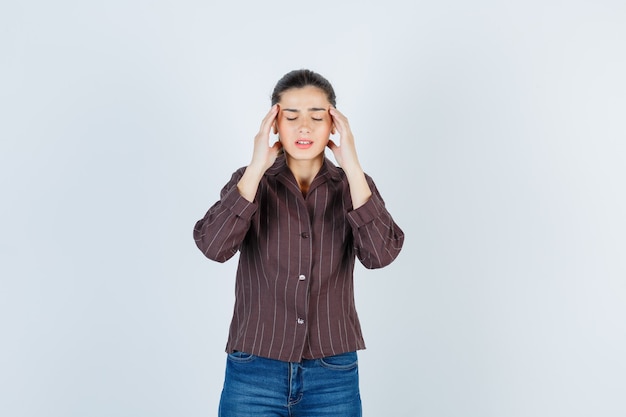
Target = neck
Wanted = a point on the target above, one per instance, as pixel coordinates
(304, 170)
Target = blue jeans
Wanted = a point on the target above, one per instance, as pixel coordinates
(261, 387)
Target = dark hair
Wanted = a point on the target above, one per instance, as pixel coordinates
(303, 78)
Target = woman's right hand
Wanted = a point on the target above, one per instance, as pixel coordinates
(265, 155)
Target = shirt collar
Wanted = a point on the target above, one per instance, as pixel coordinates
(328, 169)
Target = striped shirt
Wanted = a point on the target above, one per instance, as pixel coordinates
(294, 294)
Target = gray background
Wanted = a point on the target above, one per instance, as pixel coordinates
(495, 131)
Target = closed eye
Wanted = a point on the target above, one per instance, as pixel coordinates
(316, 119)
(291, 118)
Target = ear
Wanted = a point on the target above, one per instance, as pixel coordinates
(275, 127)
(332, 129)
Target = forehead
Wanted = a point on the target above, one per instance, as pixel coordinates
(305, 97)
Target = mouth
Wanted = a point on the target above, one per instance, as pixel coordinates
(304, 143)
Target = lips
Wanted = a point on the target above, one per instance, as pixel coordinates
(304, 143)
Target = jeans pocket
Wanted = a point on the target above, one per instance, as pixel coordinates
(241, 357)
(341, 362)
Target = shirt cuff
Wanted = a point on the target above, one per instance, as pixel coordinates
(367, 213)
(238, 205)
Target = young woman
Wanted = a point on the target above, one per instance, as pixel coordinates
(298, 223)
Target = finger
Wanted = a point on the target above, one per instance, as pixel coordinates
(336, 113)
(272, 111)
(339, 126)
(269, 118)
(271, 115)
(339, 119)
(332, 145)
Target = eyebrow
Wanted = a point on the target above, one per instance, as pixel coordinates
(311, 109)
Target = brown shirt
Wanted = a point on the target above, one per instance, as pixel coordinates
(294, 285)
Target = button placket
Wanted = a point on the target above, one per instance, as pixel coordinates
(303, 241)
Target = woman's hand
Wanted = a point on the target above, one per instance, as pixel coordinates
(345, 154)
(263, 157)
(346, 157)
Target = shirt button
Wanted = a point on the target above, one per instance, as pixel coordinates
(301, 277)
(305, 235)
(300, 321)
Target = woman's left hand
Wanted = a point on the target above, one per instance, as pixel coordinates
(345, 154)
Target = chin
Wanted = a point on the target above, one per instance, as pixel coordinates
(299, 155)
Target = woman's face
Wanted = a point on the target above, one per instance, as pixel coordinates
(303, 122)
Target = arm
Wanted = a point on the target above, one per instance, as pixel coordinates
(220, 232)
(377, 238)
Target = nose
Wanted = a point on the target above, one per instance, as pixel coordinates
(304, 127)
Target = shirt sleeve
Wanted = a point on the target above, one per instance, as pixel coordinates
(377, 238)
(222, 229)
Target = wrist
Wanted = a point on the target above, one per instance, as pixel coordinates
(249, 182)
(353, 170)
(255, 170)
